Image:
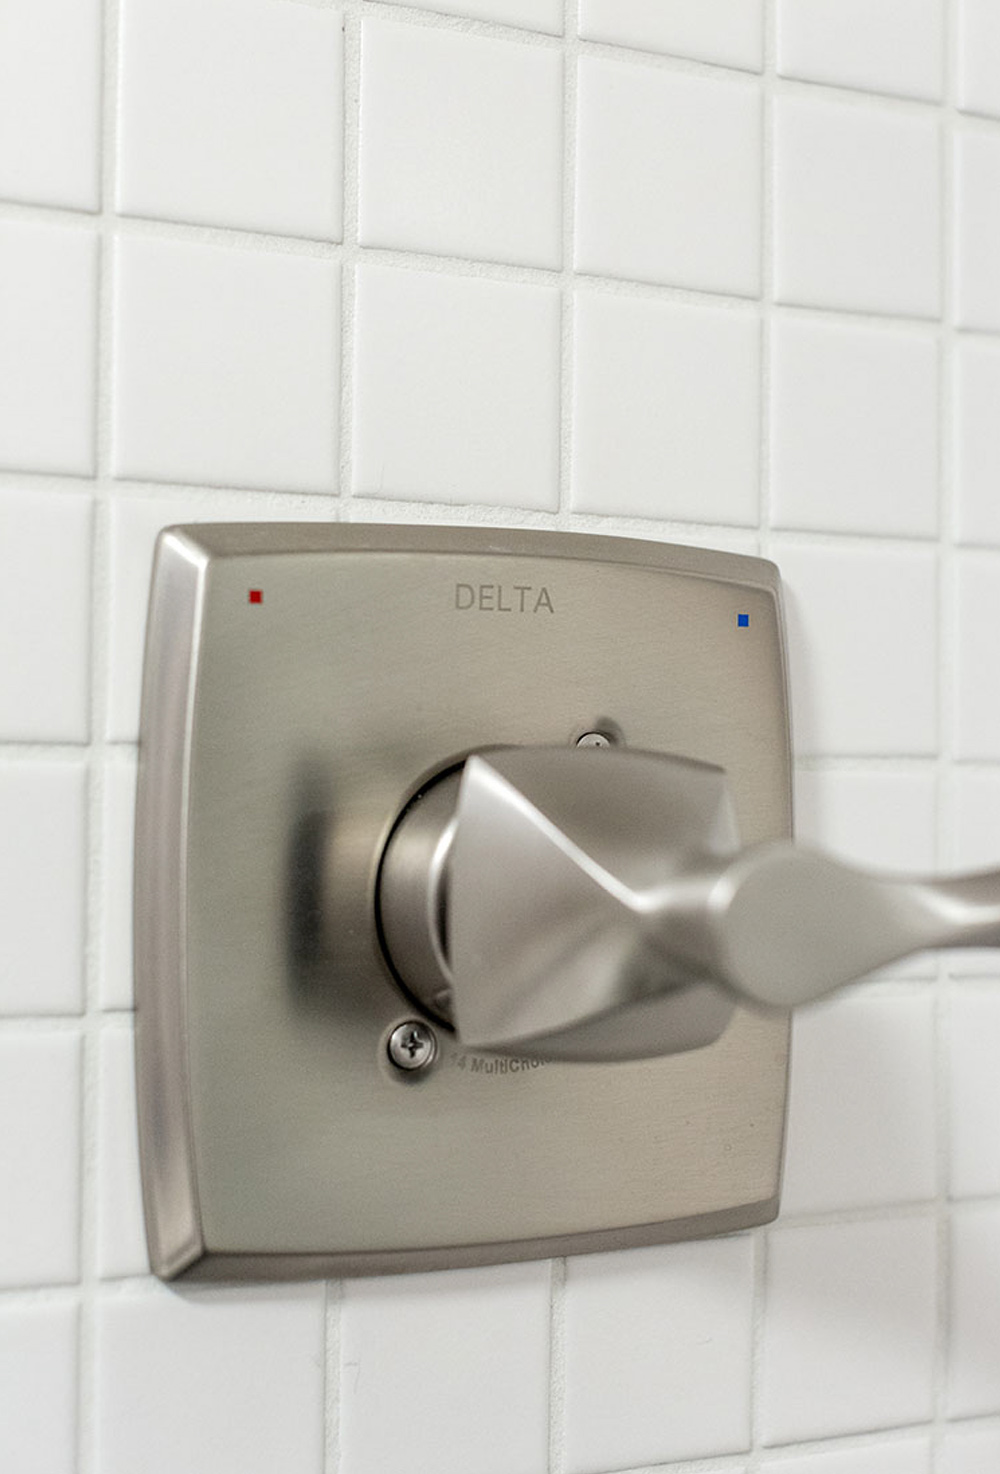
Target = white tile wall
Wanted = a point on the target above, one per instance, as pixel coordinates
(670, 1396)
(40, 1158)
(45, 555)
(854, 428)
(977, 228)
(225, 366)
(232, 114)
(486, 1333)
(118, 820)
(491, 189)
(649, 139)
(977, 694)
(723, 271)
(898, 1456)
(855, 613)
(979, 57)
(875, 45)
(38, 1364)
(666, 419)
(974, 1367)
(210, 1381)
(50, 90)
(532, 15)
(970, 1451)
(121, 1243)
(48, 359)
(857, 206)
(43, 853)
(974, 1091)
(457, 389)
(849, 1328)
(861, 1128)
(977, 440)
(729, 32)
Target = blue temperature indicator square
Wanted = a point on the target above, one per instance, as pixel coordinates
(743, 620)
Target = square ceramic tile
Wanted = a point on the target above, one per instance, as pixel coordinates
(648, 138)
(448, 165)
(48, 348)
(121, 1238)
(977, 222)
(977, 440)
(974, 1090)
(973, 822)
(861, 1128)
(729, 32)
(862, 647)
(485, 1333)
(969, 1451)
(211, 1381)
(50, 102)
(456, 389)
(979, 56)
(892, 46)
(657, 1354)
(532, 15)
(39, 1158)
(857, 207)
(973, 1345)
(231, 113)
(849, 1325)
(135, 525)
(666, 416)
(38, 1388)
(118, 840)
(45, 543)
(43, 856)
(226, 366)
(854, 428)
(976, 693)
(880, 819)
(903, 1456)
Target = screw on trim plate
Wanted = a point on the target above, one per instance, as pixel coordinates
(594, 739)
(412, 1045)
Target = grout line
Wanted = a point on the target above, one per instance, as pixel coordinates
(87, 1452)
(333, 1300)
(556, 1451)
(947, 641)
(568, 279)
(350, 251)
(761, 1237)
(764, 491)
(760, 1242)
(349, 255)
(557, 1367)
(65, 1023)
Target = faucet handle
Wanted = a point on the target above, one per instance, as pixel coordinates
(558, 861)
(596, 904)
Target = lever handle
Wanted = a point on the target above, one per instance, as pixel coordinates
(596, 904)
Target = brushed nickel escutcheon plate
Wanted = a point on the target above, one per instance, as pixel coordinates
(302, 684)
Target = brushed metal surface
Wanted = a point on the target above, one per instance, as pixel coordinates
(523, 901)
(280, 741)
